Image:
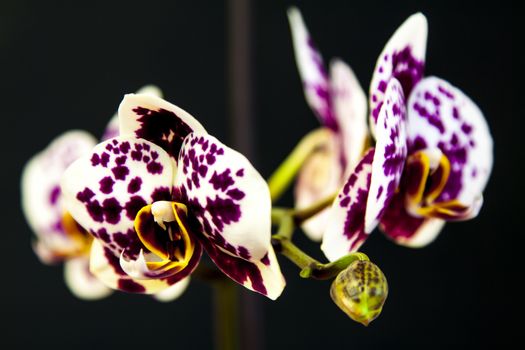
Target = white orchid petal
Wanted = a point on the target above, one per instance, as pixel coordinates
(402, 58)
(151, 118)
(350, 105)
(227, 196)
(82, 283)
(312, 71)
(104, 190)
(345, 232)
(390, 154)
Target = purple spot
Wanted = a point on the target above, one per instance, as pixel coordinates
(455, 112)
(379, 192)
(106, 185)
(85, 196)
(130, 286)
(382, 86)
(121, 160)
(418, 144)
(133, 206)
(446, 92)
(344, 203)
(210, 158)
(222, 181)
(203, 170)
(136, 155)
(266, 260)
(161, 194)
(134, 185)
(120, 172)
(95, 159)
(466, 128)
(95, 211)
(104, 159)
(154, 168)
(145, 159)
(111, 209)
(125, 147)
(54, 194)
(236, 194)
(103, 235)
(240, 173)
(223, 211)
(243, 252)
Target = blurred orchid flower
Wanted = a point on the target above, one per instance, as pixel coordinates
(58, 237)
(163, 191)
(432, 157)
(339, 103)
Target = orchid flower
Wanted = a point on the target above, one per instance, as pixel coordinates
(432, 157)
(339, 103)
(58, 237)
(160, 193)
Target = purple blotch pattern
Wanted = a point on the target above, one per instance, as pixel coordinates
(353, 199)
(222, 206)
(162, 127)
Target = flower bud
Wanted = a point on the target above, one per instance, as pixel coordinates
(360, 291)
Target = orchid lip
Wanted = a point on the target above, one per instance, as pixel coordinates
(427, 174)
(162, 229)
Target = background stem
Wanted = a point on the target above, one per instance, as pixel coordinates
(226, 315)
(240, 58)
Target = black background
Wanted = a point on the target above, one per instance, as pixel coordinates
(66, 64)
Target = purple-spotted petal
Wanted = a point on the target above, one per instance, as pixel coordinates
(227, 196)
(312, 70)
(442, 116)
(156, 120)
(350, 106)
(81, 282)
(402, 58)
(112, 129)
(346, 228)
(320, 177)
(405, 229)
(262, 276)
(390, 154)
(105, 266)
(42, 201)
(105, 189)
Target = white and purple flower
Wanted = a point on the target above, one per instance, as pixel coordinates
(432, 157)
(58, 237)
(163, 191)
(339, 103)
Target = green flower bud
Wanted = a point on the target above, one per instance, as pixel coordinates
(360, 291)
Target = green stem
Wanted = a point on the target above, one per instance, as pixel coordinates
(226, 315)
(285, 173)
(310, 267)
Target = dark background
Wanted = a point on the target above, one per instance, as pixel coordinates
(66, 64)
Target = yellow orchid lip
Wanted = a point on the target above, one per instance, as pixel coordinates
(162, 229)
(427, 177)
